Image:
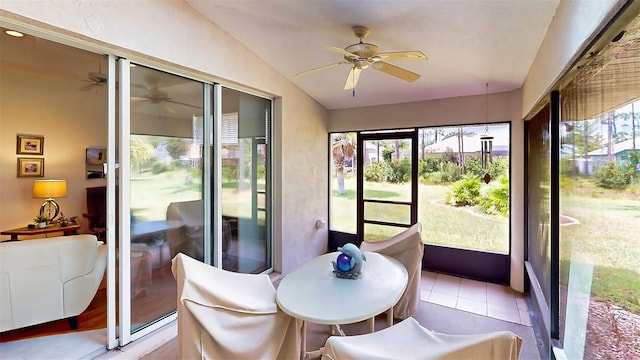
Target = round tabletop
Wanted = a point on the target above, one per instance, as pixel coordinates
(313, 293)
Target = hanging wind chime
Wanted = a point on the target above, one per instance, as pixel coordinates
(486, 140)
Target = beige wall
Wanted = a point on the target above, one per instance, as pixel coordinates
(70, 121)
(457, 111)
(174, 37)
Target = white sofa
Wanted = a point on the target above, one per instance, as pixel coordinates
(48, 279)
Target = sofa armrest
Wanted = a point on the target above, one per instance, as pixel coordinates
(79, 292)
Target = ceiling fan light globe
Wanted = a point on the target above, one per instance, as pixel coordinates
(363, 50)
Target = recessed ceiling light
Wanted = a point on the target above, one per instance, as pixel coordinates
(14, 33)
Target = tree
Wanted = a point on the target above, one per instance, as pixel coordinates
(177, 147)
(461, 149)
(342, 149)
(610, 134)
(141, 153)
(586, 138)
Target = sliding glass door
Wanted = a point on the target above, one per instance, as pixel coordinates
(165, 186)
(245, 182)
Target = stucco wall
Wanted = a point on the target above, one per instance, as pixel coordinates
(171, 35)
(574, 25)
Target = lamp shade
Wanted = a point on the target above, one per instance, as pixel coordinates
(49, 188)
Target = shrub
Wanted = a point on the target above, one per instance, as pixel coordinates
(176, 164)
(377, 172)
(159, 167)
(495, 198)
(230, 173)
(497, 168)
(611, 176)
(400, 171)
(428, 165)
(431, 178)
(464, 192)
(262, 171)
(451, 172)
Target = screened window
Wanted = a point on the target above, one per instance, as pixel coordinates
(599, 280)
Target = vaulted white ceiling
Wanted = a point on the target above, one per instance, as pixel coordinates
(468, 42)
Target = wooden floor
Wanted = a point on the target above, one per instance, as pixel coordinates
(95, 317)
(159, 300)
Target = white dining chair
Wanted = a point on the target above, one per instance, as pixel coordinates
(406, 247)
(408, 340)
(228, 315)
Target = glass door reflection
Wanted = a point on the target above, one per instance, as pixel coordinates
(166, 182)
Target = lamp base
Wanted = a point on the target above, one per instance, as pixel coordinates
(50, 207)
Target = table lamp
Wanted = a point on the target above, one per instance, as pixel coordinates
(49, 189)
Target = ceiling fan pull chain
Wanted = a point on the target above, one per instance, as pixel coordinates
(353, 80)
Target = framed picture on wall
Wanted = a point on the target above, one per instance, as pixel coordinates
(30, 167)
(30, 144)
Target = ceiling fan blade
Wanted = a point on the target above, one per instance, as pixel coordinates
(168, 108)
(137, 86)
(341, 51)
(319, 68)
(398, 72)
(183, 104)
(87, 87)
(403, 55)
(352, 78)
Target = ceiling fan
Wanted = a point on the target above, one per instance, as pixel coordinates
(364, 55)
(95, 78)
(156, 96)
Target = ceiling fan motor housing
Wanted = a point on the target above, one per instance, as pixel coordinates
(363, 50)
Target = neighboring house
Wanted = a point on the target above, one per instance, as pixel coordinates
(470, 145)
(620, 153)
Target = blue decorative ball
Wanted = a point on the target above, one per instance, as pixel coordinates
(343, 262)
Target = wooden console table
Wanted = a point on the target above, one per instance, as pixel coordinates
(70, 229)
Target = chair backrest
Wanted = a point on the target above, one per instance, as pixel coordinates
(218, 310)
(97, 201)
(406, 247)
(409, 340)
(407, 239)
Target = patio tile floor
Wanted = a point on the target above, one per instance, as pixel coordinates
(487, 299)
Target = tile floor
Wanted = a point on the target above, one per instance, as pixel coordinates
(491, 300)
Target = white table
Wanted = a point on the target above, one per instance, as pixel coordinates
(313, 293)
(148, 228)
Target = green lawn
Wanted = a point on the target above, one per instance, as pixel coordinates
(152, 193)
(470, 229)
(607, 238)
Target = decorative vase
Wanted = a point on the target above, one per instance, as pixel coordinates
(42, 225)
